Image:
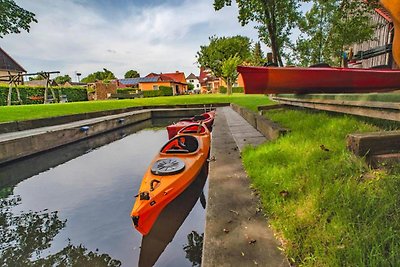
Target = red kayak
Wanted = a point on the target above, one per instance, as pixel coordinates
(206, 118)
(293, 80)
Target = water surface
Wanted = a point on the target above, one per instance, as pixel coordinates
(72, 205)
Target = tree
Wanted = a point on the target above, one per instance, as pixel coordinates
(104, 75)
(275, 19)
(14, 18)
(131, 74)
(257, 55)
(330, 26)
(229, 72)
(36, 78)
(62, 79)
(235, 50)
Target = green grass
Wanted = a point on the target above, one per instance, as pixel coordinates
(26, 112)
(338, 212)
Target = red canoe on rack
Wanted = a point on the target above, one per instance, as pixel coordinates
(293, 80)
(206, 118)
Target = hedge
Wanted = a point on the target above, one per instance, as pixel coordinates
(162, 91)
(223, 90)
(74, 94)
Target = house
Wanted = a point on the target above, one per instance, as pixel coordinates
(209, 83)
(378, 51)
(74, 84)
(9, 66)
(40, 83)
(153, 81)
(193, 79)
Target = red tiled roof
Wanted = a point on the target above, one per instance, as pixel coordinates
(177, 76)
(384, 13)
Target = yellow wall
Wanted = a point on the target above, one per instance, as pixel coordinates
(149, 86)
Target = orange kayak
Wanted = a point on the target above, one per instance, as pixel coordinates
(206, 118)
(170, 173)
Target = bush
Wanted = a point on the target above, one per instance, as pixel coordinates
(34, 95)
(151, 93)
(166, 91)
(237, 90)
(222, 90)
(126, 90)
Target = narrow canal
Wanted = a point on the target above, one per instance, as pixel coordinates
(71, 206)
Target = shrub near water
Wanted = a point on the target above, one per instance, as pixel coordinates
(326, 204)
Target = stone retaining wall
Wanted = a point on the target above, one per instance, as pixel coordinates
(269, 129)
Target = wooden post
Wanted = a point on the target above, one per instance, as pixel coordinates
(9, 94)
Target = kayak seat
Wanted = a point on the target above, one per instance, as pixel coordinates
(181, 144)
(179, 151)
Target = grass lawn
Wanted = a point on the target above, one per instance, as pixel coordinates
(26, 112)
(328, 206)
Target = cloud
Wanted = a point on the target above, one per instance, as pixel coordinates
(81, 36)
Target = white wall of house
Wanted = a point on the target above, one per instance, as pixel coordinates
(195, 82)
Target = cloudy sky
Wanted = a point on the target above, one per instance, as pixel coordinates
(145, 35)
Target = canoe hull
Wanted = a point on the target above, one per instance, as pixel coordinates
(159, 194)
(274, 80)
(173, 129)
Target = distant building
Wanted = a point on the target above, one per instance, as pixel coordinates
(74, 84)
(153, 81)
(40, 83)
(9, 66)
(209, 83)
(193, 79)
(378, 51)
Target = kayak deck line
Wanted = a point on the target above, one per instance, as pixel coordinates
(236, 234)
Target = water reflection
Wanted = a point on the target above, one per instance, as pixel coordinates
(170, 220)
(194, 248)
(25, 236)
(70, 206)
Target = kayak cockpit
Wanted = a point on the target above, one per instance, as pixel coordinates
(181, 144)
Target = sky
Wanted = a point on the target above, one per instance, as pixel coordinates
(86, 36)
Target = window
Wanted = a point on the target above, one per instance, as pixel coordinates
(197, 85)
(155, 87)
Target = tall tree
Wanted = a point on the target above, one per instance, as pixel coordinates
(257, 55)
(131, 74)
(229, 72)
(235, 49)
(104, 75)
(13, 18)
(274, 18)
(330, 26)
(219, 49)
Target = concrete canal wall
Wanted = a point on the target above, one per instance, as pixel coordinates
(15, 126)
(19, 144)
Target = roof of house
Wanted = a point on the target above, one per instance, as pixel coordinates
(77, 83)
(384, 13)
(8, 63)
(135, 81)
(176, 76)
(192, 77)
(40, 83)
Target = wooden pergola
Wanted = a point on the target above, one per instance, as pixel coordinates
(14, 79)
